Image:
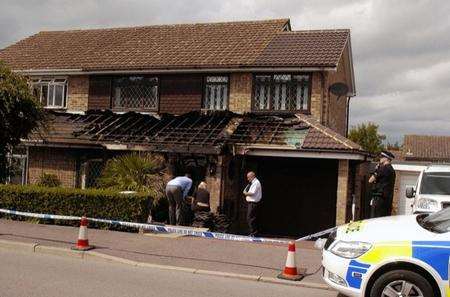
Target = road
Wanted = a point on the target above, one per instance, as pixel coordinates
(25, 274)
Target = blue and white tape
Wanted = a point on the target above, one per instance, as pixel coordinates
(165, 228)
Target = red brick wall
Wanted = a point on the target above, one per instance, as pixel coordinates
(240, 92)
(336, 111)
(180, 93)
(99, 92)
(53, 161)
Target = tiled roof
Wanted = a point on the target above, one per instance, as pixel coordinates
(305, 48)
(193, 132)
(426, 148)
(211, 45)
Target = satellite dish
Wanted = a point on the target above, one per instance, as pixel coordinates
(338, 89)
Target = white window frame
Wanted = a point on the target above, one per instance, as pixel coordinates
(216, 83)
(49, 101)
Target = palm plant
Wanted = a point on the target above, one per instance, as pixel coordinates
(135, 172)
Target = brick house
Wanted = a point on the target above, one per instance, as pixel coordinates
(219, 98)
(417, 152)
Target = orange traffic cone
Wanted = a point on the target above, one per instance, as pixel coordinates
(83, 241)
(290, 271)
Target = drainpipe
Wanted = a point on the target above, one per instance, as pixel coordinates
(348, 115)
(322, 113)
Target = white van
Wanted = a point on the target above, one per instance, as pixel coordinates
(432, 192)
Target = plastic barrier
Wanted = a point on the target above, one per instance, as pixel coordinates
(167, 229)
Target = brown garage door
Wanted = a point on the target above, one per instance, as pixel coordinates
(299, 195)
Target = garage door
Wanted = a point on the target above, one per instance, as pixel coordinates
(299, 195)
(407, 179)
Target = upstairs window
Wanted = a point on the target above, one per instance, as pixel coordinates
(135, 93)
(216, 93)
(281, 92)
(51, 92)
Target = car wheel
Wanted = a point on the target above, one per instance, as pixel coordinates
(401, 283)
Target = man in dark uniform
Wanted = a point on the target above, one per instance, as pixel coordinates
(384, 180)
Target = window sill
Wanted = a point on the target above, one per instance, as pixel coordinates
(55, 108)
(282, 111)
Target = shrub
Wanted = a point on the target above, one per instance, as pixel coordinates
(135, 172)
(76, 202)
(49, 180)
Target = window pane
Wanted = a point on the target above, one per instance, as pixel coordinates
(216, 93)
(59, 95)
(50, 97)
(135, 92)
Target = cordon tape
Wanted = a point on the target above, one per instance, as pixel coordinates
(167, 229)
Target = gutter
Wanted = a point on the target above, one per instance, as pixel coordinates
(162, 71)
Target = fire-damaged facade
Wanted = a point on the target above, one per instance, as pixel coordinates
(219, 98)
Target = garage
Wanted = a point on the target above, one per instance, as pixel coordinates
(407, 176)
(299, 194)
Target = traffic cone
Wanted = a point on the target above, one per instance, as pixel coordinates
(290, 271)
(83, 241)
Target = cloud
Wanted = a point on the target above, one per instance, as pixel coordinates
(400, 48)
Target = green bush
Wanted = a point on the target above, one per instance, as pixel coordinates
(49, 180)
(76, 202)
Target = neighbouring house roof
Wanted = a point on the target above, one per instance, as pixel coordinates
(193, 132)
(427, 148)
(227, 45)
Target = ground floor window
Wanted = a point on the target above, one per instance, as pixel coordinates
(90, 172)
(17, 169)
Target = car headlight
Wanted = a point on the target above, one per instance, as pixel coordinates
(350, 250)
(428, 204)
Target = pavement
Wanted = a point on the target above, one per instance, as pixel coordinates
(256, 261)
(24, 275)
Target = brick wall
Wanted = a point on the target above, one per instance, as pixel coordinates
(342, 192)
(180, 93)
(53, 161)
(316, 95)
(240, 92)
(336, 113)
(78, 93)
(99, 92)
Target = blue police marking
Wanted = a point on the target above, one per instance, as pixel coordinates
(434, 253)
(355, 272)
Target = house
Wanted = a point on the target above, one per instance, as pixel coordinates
(217, 98)
(417, 153)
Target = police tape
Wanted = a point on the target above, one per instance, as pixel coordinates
(167, 229)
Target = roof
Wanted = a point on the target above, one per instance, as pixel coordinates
(195, 132)
(187, 46)
(426, 148)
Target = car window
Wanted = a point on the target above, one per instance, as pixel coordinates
(438, 222)
(435, 183)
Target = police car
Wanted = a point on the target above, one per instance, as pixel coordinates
(395, 256)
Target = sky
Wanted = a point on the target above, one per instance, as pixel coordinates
(401, 48)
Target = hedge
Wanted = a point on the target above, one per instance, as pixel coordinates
(76, 202)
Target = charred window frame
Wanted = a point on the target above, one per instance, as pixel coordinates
(51, 92)
(135, 93)
(216, 92)
(282, 92)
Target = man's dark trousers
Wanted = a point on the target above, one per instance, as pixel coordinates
(175, 199)
(252, 213)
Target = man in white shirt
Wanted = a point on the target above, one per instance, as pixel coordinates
(253, 195)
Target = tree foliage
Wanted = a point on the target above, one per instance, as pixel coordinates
(367, 136)
(20, 113)
(134, 172)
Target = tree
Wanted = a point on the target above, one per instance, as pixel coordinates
(20, 113)
(367, 136)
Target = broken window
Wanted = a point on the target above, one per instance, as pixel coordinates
(51, 92)
(216, 93)
(281, 92)
(91, 171)
(135, 93)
